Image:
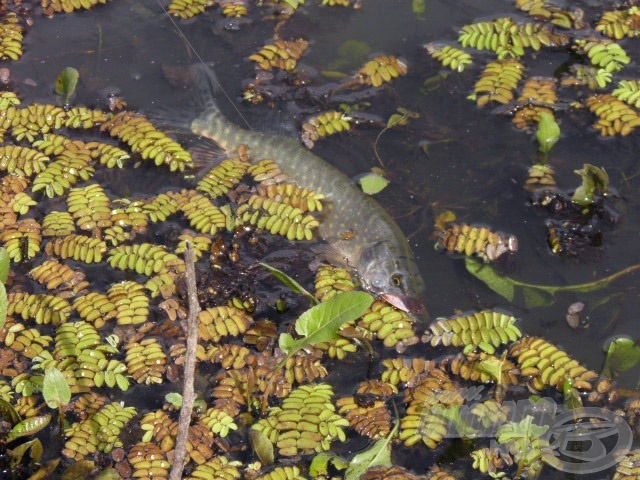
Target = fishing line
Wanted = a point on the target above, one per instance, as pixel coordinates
(197, 55)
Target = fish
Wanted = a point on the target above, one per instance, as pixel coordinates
(358, 231)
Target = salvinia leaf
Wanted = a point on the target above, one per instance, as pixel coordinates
(378, 454)
(322, 322)
(289, 282)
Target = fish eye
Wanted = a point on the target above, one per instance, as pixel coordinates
(397, 280)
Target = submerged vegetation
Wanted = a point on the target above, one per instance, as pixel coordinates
(96, 296)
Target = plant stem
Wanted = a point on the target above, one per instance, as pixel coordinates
(188, 393)
(581, 287)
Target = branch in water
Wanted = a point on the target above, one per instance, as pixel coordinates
(188, 393)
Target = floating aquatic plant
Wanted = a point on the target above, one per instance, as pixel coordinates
(282, 54)
(476, 240)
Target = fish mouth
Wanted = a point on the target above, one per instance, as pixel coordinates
(404, 303)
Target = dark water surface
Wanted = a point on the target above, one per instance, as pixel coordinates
(477, 170)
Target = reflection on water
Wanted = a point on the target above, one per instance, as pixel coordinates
(478, 171)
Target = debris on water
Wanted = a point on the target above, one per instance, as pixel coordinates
(573, 315)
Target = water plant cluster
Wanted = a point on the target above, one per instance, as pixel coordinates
(78, 347)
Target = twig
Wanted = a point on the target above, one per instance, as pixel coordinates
(188, 393)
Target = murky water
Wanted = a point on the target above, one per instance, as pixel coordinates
(475, 165)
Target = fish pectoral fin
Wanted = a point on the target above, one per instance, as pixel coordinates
(332, 254)
(205, 152)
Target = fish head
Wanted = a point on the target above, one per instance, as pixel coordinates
(391, 276)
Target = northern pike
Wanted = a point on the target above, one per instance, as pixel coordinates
(376, 249)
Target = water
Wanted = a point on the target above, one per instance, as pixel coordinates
(475, 165)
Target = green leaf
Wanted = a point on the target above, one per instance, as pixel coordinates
(4, 304)
(372, 183)
(289, 282)
(78, 470)
(55, 389)
(548, 132)
(537, 298)
(524, 429)
(501, 285)
(419, 7)
(29, 427)
(175, 399)
(109, 473)
(66, 83)
(622, 354)
(320, 464)
(535, 295)
(378, 454)
(571, 396)
(4, 265)
(322, 322)
(452, 414)
(8, 412)
(594, 179)
(35, 448)
(262, 447)
(492, 366)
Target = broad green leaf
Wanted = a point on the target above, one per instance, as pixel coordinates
(109, 473)
(322, 322)
(79, 470)
(8, 412)
(333, 74)
(66, 83)
(175, 399)
(29, 427)
(289, 282)
(396, 120)
(452, 414)
(372, 183)
(548, 132)
(537, 298)
(4, 304)
(55, 389)
(501, 285)
(524, 429)
(4, 265)
(492, 366)
(378, 454)
(320, 464)
(535, 295)
(355, 50)
(34, 447)
(594, 179)
(622, 354)
(419, 7)
(262, 447)
(571, 396)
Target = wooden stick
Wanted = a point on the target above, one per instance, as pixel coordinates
(188, 393)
